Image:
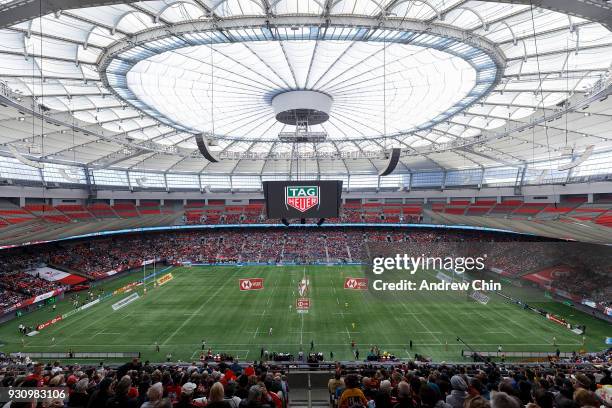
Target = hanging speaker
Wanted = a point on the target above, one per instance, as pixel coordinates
(22, 159)
(575, 163)
(203, 147)
(391, 162)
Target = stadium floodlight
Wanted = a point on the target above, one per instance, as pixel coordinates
(300, 136)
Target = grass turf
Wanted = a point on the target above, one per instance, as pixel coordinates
(204, 303)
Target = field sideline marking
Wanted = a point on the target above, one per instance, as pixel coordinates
(58, 345)
(302, 314)
(428, 331)
(262, 314)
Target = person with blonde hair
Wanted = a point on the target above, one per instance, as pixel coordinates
(215, 397)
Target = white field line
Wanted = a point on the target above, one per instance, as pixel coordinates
(286, 344)
(197, 312)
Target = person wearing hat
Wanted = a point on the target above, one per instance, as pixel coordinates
(186, 397)
(582, 381)
(457, 396)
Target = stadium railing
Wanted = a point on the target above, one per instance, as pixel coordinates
(518, 354)
(68, 355)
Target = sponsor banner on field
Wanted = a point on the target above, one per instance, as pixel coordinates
(557, 320)
(356, 283)
(127, 288)
(589, 303)
(90, 304)
(85, 306)
(480, 297)
(69, 313)
(302, 305)
(443, 277)
(125, 301)
(251, 284)
(164, 279)
(48, 323)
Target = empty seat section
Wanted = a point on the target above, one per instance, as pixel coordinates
(75, 211)
(125, 210)
(148, 208)
(101, 210)
(47, 213)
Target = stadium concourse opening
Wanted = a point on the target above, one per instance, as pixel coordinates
(308, 204)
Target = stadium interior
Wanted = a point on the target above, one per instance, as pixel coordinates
(305, 203)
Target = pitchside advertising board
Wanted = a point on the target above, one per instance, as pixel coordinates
(356, 283)
(302, 199)
(251, 284)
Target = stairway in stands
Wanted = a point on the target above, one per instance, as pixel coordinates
(309, 389)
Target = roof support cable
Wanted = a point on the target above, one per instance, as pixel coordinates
(42, 101)
(541, 88)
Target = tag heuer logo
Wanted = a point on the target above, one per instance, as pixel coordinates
(302, 198)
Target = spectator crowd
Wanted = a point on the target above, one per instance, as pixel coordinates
(477, 386)
(136, 385)
(515, 256)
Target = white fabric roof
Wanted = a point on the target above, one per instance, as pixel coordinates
(407, 92)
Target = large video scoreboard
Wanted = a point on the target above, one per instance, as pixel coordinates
(303, 198)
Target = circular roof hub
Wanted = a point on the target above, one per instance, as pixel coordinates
(293, 107)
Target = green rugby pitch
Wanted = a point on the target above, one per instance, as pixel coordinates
(205, 303)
